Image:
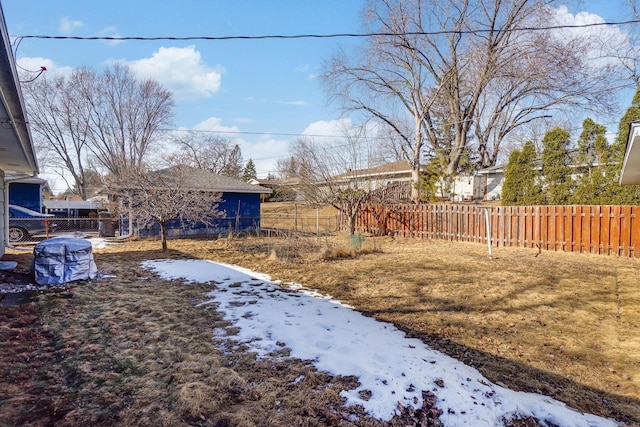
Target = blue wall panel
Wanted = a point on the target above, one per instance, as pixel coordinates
(25, 195)
(241, 215)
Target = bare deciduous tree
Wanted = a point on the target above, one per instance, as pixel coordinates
(158, 197)
(60, 124)
(292, 166)
(324, 184)
(234, 166)
(440, 71)
(127, 117)
(209, 152)
(330, 174)
(110, 120)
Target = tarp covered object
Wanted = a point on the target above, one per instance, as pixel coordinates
(63, 259)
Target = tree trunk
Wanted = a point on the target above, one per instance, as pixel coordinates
(415, 162)
(351, 218)
(163, 235)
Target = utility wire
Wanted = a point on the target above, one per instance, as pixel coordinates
(335, 35)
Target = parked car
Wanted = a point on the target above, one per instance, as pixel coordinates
(25, 223)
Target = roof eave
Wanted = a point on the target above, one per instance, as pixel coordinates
(630, 173)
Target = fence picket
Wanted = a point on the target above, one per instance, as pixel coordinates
(634, 231)
(625, 230)
(590, 229)
(598, 247)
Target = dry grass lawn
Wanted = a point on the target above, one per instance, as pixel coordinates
(134, 349)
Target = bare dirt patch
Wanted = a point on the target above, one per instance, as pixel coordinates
(135, 350)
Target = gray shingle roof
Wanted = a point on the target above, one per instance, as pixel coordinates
(199, 179)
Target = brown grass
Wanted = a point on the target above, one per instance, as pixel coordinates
(135, 350)
(559, 324)
(299, 217)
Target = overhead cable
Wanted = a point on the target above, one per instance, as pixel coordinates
(334, 35)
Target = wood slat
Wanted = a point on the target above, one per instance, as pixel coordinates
(634, 231)
(612, 230)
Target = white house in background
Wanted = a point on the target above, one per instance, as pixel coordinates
(394, 179)
(485, 184)
(463, 188)
(17, 156)
(492, 181)
(630, 173)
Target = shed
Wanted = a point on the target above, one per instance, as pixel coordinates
(239, 200)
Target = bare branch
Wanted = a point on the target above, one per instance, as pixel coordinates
(159, 197)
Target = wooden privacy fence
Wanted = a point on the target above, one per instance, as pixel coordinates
(609, 230)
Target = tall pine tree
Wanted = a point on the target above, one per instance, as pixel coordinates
(249, 172)
(522, 178)
(591, 161)
(558, 183)
(233, 168)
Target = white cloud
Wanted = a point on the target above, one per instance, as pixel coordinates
(180, 70)
(110, 32)
(604, 40)
(301, 68)
(265, 153)
(294, 103)
(67, 26)
(214, 124)
(331, 129)
(344, 136)
(33, 65)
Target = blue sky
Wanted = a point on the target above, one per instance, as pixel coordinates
(263, 91)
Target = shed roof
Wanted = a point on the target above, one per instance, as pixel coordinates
(200, 179)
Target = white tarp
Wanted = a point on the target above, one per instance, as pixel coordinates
(63, 259)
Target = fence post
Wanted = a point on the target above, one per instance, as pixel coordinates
(488, 230)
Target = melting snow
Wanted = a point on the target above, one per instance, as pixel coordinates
(342, 341)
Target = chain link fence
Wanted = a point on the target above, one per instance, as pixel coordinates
(300, 223)
(270, 224)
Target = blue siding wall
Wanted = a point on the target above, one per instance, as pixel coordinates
(25, 195)
(242, 214)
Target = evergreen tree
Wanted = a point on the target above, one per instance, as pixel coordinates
(431, 179)
(512, 185)
(522, 178)
(249, 172)
(591, 162)
(234, 168)
(558, 183)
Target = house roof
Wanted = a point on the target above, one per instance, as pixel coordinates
(492, 169)
(200, 179)
(16, 147)
(278, 182)
(630, 173)
(388, 169)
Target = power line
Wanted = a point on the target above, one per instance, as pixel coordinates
(254, 133)
(329, 36)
